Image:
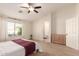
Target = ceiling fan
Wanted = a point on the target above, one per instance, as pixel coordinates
(30, 8)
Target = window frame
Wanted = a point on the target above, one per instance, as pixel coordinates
(14, 28)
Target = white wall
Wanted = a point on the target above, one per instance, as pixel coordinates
(77, 11)
(27, 29)
(59, 18)
(1, 28)
(38, 28)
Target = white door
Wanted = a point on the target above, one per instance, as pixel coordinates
(72, 33)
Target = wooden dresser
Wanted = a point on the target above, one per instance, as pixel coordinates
(59, 39)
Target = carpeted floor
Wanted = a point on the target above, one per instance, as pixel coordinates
(40, 54)
(50, 49)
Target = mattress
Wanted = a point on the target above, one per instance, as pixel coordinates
(10, 48)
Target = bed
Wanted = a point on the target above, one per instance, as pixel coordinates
(18, 47)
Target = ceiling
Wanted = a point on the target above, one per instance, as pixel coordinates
(11, 10)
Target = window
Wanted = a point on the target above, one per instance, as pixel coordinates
(14, 29)
(18, 29)
(10, 28)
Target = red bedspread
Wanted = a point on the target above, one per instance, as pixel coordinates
(29, 46)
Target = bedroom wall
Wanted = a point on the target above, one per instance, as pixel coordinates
(38, 28)
(59, 19)
(60, 16)
(27, 31)
(77, 11)
(0, 28)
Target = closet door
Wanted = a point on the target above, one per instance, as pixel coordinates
(72, 33)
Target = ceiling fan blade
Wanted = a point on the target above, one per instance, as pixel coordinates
(24, 7)
(36, 11)
(37, 7)
(29, 11)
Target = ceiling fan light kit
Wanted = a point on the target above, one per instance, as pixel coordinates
(31, 8)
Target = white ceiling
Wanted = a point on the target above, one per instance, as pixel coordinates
(11, 10)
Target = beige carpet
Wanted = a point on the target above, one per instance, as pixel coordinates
(50, 49)
(40, 54)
